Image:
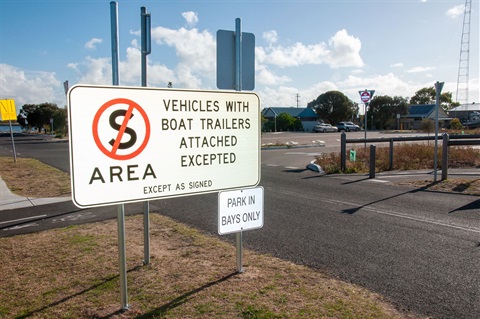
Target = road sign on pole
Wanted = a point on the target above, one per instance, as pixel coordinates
(240, 210)
(130, 144)
(7, 110)
(226, 60)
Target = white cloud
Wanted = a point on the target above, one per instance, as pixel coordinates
(267, 77)
(191, 18)
(345, 50)
(98, 71)
(91, 45)
(342, 50)
(29, 87)
(397, 65)
(196, 52)
(270, 36)
(455, 11)
(419, 69)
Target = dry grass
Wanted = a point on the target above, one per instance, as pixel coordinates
(73, 273)
(31, 178)
(411, 157)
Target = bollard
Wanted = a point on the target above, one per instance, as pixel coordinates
(343, 152)
(445, 150)
(372, 161)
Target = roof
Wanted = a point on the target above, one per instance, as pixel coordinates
(425, 111)
(301, 112)
(467, 107)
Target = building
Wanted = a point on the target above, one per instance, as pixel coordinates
(465, 112)
(306, 115)
(416, 114)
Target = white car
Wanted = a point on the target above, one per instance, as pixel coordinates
(324, 128)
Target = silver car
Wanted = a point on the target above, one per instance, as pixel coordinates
(324, 128)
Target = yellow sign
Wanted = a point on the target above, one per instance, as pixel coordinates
(7, 110)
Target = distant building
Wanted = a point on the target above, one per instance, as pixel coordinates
(416, 114)
(306, 115)
(465, 112)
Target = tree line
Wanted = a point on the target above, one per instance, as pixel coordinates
(44, 117)
(334, 107)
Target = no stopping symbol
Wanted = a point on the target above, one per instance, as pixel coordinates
(121, 129)
(365, 96)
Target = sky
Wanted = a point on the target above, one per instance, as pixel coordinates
(303, 48)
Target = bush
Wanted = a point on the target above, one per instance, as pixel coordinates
(413, 156)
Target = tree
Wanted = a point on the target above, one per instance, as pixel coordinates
(427, 126)
(39, 116)
(333, 106)
(384, 110)
(429, 96)
(286, 122)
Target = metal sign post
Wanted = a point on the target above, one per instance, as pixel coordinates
(146, 49)
(121, 207)
(238, 80)
(8, 112)
(366, 97)
(438, 88)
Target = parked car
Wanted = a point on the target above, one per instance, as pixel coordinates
(347, 127)
(324, 127)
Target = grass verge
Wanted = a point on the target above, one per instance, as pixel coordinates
(31, 178)
(73, 273)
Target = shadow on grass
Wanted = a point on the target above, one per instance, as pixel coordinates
(56, 303)
(182, 299)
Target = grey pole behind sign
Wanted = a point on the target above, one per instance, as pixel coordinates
(438, 88)
(146, 49)
(122, 260)
(238, 86)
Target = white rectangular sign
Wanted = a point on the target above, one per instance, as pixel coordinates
(240, 210)
(131, 144)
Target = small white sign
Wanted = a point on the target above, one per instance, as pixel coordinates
(240, 210)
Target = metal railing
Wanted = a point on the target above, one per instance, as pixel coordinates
(447, 141)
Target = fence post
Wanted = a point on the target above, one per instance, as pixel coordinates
(445, 150)
(372, 161)
(343, 152)
(390, 164)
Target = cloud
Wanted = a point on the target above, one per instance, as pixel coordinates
(396, 65)
(342, 50)
(419, 69)
(196, 52)
(91, 45)
(455, 11)
(191, 18)
(270, 36)
(29, 87)
(266, 77)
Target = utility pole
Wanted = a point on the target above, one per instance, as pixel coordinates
(297, 97)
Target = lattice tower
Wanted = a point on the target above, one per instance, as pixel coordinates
(463, 65)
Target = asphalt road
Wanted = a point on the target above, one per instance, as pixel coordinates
(420, 249)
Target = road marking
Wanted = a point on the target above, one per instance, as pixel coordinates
(377, 180)
(291, 167)
(74, 217)
(273, 165)
(22, 219)
(21, 226)
(302, 153)
(382, 212)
